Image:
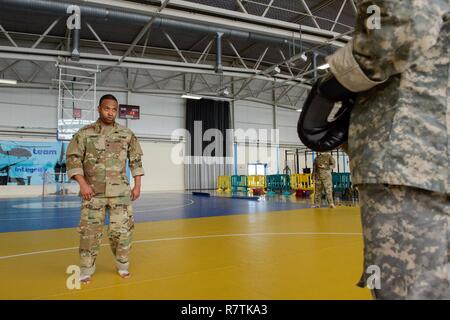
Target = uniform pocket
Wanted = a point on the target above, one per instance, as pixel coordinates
(125, 180)
(92, 213)
(116, 144)
(95, 146)
(130, 218)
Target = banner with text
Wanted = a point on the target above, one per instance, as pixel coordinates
(24, 163)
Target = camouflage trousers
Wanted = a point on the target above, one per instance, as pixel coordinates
(120, 229)
(323, 184)
(406, 235)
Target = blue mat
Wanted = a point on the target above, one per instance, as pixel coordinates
(203, 194)
(55, 212)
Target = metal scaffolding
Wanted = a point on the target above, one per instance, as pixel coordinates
(77, 99)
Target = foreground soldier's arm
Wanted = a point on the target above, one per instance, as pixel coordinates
(408, 29)
(74, 164)
(135, 161)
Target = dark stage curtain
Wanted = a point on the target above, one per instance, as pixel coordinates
(207, 158)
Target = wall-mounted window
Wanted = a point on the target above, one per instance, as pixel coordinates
(257, 169)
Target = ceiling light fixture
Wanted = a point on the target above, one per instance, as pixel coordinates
(274, 71)
(323, 67)
(191, 96)
(6, 81)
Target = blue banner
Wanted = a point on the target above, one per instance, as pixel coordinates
(24, 163)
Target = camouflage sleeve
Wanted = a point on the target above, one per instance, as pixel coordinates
(75, 156)
(406, 31)
(135, 157)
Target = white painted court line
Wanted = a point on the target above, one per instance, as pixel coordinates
(166, 208)
(130, 283)
(198, 237)
(40, 218)
(78, 216)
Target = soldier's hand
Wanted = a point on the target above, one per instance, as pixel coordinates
(135, 193)
(86, 192)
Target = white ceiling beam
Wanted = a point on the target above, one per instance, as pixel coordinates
(268, 8)
(224, 18)
(175, 46)
(99, 39)
(144, 30)
(310, 13)
(8, 36)
(45, 33)
(339, 14)
(241, 6)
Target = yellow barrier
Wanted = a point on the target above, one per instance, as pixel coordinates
(303, 181)
(256, 181)
(224, 183)
(306, 181)
(294, 182)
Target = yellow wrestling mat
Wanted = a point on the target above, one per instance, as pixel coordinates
(300, 254)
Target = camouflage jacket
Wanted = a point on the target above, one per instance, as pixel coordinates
(400, 125)
(328, 163)
(102, 159)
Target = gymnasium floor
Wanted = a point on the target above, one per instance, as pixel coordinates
(188, 247)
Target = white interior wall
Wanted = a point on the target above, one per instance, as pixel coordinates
(161, 173)
(28, 108)
(36, 110)
(287, 124)
(160, 115)
(252, 115)
(257, 154)
(253, 118)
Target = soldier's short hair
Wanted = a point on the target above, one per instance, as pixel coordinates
(107, 97)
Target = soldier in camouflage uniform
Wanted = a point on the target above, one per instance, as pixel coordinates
(322, 166)
(96, 159)
(399, 143)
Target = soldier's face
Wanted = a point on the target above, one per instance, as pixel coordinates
(108, 111)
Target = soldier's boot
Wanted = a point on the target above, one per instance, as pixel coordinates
(331, 203)
(120, 243)
(329, 195)
(120, 233)
(90, 240)
(86, 279)
(122, 269)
